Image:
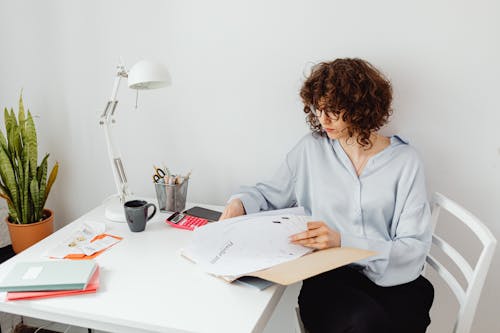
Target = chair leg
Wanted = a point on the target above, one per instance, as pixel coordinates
(299, 325)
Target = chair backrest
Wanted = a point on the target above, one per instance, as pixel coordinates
(475, 277)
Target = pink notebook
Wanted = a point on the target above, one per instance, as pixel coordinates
(26, 295)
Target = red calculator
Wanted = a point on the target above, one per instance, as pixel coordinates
(184, 221)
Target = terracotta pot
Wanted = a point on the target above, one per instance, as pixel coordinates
(23, 236)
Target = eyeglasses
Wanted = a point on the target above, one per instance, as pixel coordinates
(333, 115)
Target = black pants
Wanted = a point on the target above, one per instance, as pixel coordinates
(344, 300)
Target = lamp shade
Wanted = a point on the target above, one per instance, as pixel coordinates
(148, 75)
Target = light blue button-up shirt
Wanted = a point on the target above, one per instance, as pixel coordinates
(385, 209)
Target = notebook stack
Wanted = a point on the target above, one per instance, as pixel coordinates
(31, 280)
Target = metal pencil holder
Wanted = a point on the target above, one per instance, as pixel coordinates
(171, 198)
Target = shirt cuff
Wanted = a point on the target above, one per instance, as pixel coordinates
(383, 248)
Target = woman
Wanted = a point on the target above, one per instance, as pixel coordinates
(363, 190)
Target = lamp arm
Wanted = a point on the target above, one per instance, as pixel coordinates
(121, 72)
(113, 151)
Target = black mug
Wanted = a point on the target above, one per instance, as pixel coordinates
(136, 214)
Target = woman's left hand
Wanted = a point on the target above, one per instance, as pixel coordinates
(318, 236)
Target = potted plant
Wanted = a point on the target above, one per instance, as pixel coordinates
(24, 183)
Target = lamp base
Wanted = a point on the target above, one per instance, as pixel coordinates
(113, 210)
(113, 207)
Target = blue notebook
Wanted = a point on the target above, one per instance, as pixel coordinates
(254, 282)
(49, 275)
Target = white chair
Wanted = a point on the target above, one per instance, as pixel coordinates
(468, 297)
(475, 277)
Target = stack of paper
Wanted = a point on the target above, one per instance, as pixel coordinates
(259, 245)
(233, 248)
(50, 278)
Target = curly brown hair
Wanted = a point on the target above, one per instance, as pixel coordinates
(351, 85)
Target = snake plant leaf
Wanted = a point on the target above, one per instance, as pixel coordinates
(8, 178)
(52, 179)
(31, 144)
(7, 127)
(3, 141)
(24, 159)
(4, 193)
(22, 117)
(42, 178)
(13, 142)
(26, 216)
(16, 133)
(8, 121)
(21, 162)
(41, 171)
(3, 178)
(19, 171)
(6, 197)
(14, 217)
(35, 197)
(13, 117)
(10, 125)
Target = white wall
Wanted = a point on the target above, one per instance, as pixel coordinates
(233, 109)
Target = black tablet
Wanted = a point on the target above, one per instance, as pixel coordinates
(210, 215)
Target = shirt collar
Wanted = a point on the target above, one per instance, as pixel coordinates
(379, 157)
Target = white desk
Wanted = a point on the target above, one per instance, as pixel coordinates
(146, 286)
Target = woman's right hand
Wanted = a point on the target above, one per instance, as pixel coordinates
(234, 208)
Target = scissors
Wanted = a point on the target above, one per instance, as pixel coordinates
(159, 174)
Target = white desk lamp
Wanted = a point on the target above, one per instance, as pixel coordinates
(142, 76)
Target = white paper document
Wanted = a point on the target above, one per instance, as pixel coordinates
(80, 241)
(235, 247)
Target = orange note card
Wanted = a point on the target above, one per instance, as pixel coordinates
(82, 256)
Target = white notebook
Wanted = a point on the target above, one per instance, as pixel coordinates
(49, 275)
